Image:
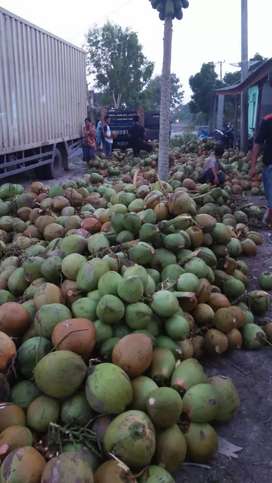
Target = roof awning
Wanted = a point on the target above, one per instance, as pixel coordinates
(253, 78)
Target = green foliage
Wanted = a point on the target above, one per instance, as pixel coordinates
(116, 61)
(170, 8)
(151, 96)
(203, 85)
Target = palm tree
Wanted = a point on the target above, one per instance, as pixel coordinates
(168, 10)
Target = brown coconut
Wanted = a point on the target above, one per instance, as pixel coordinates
(11, 415)
(47, 293)
(75, 335)
(235, 339)
(7, 350)
(218, 301)
(133, 353)
(14, 319)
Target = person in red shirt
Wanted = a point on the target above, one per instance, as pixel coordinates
(89, 141)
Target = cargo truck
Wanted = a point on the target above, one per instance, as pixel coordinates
(43, 98)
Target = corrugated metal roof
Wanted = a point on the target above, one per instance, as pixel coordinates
(253, 78)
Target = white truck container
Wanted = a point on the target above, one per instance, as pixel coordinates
(43, 98)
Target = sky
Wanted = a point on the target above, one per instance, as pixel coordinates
(209, 31)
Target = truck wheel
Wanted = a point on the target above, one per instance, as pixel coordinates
(53, 170)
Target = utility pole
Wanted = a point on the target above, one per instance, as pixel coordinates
(220, 101)
(244, 73)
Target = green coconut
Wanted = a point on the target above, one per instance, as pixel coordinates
(30, 308)
(137, 271)
(163, 365)
(202, 442)
(221, 233)
(177, 327)
(165, 303)
(188, 282)
(174, 242)
(23, 393)
(150, 287)
(155, 274)
(107, 347)
(164, 342)
(84, 308)
(131, 437)
(30, 353)
(120, 331)
(155, 474)
(17, 282)
(71, 265)
(259, 302)
(69, 467)
(105, 397)
(109, 282)
(33, 288)
(76, 411)
(138, 315)
(90, 273)
(142, 388)
(110, 309)
(228, 397)
(59, 374)
(41, 412)
(234, 247)
(164, 406)
(187, 374)
(233, 288)
(149, 233)
(124, 236)
(132, 221)
(73, 244)
(48, 316)
(201, 403)
(91, 458)
(103, 331)
(162, 258)
(23, 465)
(6, 296)
(97, 243)
(32, 268)
(253, 336)
(171, 273)
(130, 289)
(51, 269)
(197, 266)
(171, 448)
(141, 253)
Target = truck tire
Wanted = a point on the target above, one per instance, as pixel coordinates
(53, 170)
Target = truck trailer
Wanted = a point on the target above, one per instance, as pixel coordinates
(43, 98)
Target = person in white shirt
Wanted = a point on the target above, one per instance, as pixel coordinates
(212, 171)
(107, 138)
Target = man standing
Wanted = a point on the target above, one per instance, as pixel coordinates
(107, 138)
(89, 141)
(137, 138)
(264, 138)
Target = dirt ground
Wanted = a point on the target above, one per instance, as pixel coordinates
(251, 372)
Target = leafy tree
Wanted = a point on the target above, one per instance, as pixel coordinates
(117, 64)
(168, 10)
(232, 78)
(151, 96)
(203, 85)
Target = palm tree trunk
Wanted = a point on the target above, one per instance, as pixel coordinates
(165, 101)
